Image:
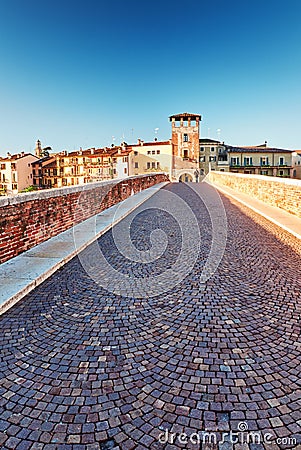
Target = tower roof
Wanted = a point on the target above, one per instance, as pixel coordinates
(184, 116)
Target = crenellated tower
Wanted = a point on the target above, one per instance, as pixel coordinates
(185, 143)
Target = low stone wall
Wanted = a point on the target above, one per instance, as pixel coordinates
(285, 193)
(29, 219)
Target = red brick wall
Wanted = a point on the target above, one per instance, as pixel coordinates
(29, 219)
(285, 193)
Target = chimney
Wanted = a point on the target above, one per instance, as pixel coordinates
(92, 151)
(22, 153)
(8, 155)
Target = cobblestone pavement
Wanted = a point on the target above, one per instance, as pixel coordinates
(82, 368)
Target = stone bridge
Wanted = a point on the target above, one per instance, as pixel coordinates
(178, 327)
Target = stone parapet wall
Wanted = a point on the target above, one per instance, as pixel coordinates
(284, 193)
(30, 219)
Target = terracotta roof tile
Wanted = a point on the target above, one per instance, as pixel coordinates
(185, 114)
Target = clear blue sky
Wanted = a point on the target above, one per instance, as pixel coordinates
(74, 74)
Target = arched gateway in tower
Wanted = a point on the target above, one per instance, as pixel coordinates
(185, 145)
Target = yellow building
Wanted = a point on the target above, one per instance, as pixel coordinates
(148, 157)
(261, 160)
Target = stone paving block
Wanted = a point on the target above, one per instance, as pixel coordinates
(82, 368)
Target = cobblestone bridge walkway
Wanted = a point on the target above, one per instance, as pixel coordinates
(84, 368)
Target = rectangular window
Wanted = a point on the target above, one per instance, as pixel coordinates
(248, 161)
(202, 158)
(125, 170)
(136, 165)
(148, 165)
(153, 165)
(264, 161)
(148, 152)
(185, 137)
(158, 152)
(202, 149)
(158, 165)
(2, 166)
(153, 152)
(281, 161)
(212, 149)
(234, 161)
(212, 158)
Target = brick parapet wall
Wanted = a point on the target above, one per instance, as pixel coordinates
(29, 219)
(284, 193)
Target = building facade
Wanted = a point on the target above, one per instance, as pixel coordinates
(261, 160)
(149, 157)
(297, 164)
(213, 156)
(16, 172)
(185, 135)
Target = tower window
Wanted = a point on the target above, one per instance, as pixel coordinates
(185, 137)
(185, 153)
